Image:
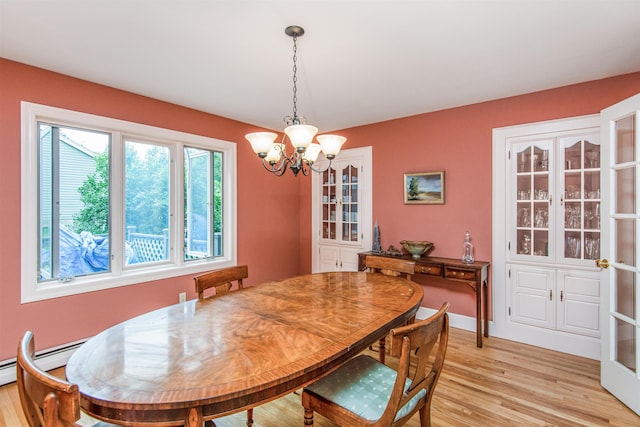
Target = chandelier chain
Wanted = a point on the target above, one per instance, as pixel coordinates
(295, 80)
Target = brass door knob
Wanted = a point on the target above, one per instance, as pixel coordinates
(602, 263)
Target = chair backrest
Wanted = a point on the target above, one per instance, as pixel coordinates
(221, 280)
(390, 266)
(418, 338)
(47, 401)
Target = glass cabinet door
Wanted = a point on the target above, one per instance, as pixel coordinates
(349, 204)
(580, 200)
(340, 204)
(532, 163)
(329, 204)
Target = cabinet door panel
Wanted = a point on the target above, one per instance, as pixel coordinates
(329, 258)
(579, 304)
(532, 296)
(336, 258)
(349, 259)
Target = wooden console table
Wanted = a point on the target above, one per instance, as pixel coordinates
(452, 272)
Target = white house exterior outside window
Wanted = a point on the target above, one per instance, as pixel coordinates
(107, 203)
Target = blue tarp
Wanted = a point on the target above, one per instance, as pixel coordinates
(86, 253)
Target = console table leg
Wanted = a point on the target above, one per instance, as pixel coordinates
(479, 315)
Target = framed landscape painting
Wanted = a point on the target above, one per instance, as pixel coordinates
(424, 188)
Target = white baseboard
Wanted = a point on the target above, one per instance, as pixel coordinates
(575, 344)
(458, 321)
(48, 359)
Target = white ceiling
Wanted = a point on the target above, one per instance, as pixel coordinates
(359, 62)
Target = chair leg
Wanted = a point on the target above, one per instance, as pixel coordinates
(308, 417)
(381, 349)
(249, 417)
(425, 416)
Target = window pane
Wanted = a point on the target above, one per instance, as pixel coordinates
(202, 203)
(73, 202)
(146, 203)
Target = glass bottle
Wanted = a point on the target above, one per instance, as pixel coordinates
(467, 249)
(377, 248)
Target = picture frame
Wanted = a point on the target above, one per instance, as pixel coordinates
(424, 188)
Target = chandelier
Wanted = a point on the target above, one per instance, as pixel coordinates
(275, 158)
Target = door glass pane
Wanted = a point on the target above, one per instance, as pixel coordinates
(625, 232)
(146, 202)
(625, 341)
(540, 159)
(591, 155)
(625, 190)
(524, 160)
(354, 232)
(625, 293)
(625, 140)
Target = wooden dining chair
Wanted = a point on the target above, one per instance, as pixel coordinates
(47, 401)
(391, 267)
(365, 392)
(220, 280)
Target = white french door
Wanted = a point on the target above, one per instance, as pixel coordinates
(620, 260)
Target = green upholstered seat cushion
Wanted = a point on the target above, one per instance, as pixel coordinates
(363, 386)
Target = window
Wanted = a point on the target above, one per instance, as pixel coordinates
(108, 203)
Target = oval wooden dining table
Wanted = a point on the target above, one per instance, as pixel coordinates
(199, 360)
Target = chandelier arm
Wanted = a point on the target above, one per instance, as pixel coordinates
(278, 171)
(305, 170)
(319, 170)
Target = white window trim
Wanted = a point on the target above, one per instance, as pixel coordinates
(32, 291)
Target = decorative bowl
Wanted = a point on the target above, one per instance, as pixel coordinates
(416, 248)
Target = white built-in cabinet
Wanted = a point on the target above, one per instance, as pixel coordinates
(341, 211)
(549, 195)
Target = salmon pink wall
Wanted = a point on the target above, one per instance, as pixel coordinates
(459, 142)
(270, 209)
(262, 200)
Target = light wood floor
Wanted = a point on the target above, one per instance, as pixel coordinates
(503, 384)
